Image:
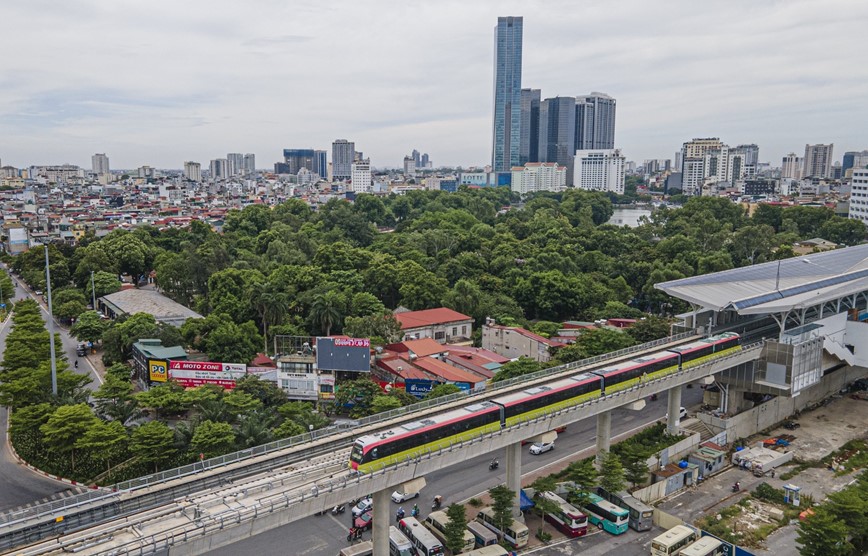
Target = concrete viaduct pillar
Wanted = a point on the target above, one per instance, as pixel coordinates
(513, 475)
(604, 435)
(382, 520)
(674, 410)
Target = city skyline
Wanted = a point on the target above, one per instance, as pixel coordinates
(139, 83)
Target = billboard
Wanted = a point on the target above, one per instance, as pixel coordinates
(157, 370)
(191, 374)
(343, 354)
(418, 387)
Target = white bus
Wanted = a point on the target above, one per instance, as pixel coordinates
(706, 546)
(482, 534)
(516, 534)
(438, 521)
(399, 544)
(425, 542)
(491, 550)
(672, 541)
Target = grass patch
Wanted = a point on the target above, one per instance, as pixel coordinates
(849, 457)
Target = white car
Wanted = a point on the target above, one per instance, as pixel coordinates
(399, 497)
(364, 505)
(682, 414)
(538, 448)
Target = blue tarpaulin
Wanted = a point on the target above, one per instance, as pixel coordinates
(525, 503)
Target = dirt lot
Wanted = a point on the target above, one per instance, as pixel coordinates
(826, 428)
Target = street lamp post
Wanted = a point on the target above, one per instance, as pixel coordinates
(92, 292)
(50, 325)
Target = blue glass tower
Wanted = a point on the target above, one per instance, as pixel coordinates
(507, 93)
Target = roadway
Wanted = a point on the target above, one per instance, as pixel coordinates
(19, 485)
(326, 534)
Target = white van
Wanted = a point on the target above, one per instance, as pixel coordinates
(399, 544)
(438, 521)
(365, 548)
(482, 534)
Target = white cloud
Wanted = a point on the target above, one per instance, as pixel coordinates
(162, 82)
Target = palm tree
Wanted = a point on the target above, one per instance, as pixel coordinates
(325, 311)
(255, 429)
(271, 305)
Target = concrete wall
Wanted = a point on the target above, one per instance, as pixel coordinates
(781, 408)
(665, 520)
(651, 493)
(679, 450)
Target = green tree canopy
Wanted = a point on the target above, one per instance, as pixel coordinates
(153, 443)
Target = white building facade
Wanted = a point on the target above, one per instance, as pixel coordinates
(859, 195)
(539, 176)
(600, 170)
(100, 164)
(791, 167)
(193, 171)
(361, 176)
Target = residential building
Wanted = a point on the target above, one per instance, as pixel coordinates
(17, 238)
(219, 169)
(147, 172)
(693, 163)
(859, 195)
(312, 159)
(818, 161)
(507, 93)
(595, 122)
(600, 170)
(409, 167)
(249, 164)
(539, 176)
(361, 177)
(235, 164)
(442, 324)
(343, 156)
(100, 164)
(193, 171)
(853, 159)
(515, 342)
(791, 167)
(529, 137)
(750, 159)
(557, 132)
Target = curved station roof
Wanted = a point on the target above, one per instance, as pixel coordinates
(778, 286)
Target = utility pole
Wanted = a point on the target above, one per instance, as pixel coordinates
(92, 291)
(50, 325)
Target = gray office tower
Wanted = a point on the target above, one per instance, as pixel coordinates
(311, 159)
(557, 132)
(343, 156)
(507, 93)
(595, 122)
(529, 126)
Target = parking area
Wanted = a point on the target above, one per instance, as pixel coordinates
(826, 428)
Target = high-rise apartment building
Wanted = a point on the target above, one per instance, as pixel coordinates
(235, 164)
(600, 170)
(343, 156)
(859, 195)
(818, 161)
(538, 176)
(507, 93)
(557, 132)
(750, 158)
(320, 164)
(409, 167)
(249, 164)
(529, 140)
(853, 159)
(193, 171)
(595, 122)
(791, 167)
(219, 168)
(693, 163)
(361, 176)
(100, 164)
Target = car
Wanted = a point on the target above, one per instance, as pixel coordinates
(400, 496)
(682, 414)
(364, 505)
(38, 292)
(538, 448)
(364, 521)
(81, 350)
(791, 425)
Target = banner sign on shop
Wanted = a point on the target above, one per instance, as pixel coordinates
(157, 370)
(191, 374)
(418, 387)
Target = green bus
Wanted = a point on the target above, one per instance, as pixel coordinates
(605, 515)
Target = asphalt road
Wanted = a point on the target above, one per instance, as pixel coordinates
(19, 485)
(327, 534)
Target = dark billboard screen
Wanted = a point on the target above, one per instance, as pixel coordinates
(343, 354)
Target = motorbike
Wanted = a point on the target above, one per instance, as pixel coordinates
(415, 511)
(493, 465)
(736, 487)
(437, 502)
(355, 534)
(399, 515)
(653, 397)
(339, 509)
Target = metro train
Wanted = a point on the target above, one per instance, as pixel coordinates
(375, 451)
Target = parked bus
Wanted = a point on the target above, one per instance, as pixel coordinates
(364, 548)
(481, 534)
(491, 550)
(399, 544)
(426, 544)
(672, 541)
(516, 534)
(641, 514)
(438, 521)
(706, 546)
(568, 520)
(605, 515)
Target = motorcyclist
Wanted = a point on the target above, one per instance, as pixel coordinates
(399, 515)
(76, 363)
(415, 511)
(494, 464)
(437, 501)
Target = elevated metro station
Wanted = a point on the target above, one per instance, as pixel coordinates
(809, 313)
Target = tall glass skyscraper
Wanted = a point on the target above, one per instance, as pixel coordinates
(507, 93)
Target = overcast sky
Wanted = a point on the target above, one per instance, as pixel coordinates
(159, 82)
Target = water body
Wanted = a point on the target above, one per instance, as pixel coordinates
(628, 216)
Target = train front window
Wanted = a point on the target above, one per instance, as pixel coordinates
(356, 454)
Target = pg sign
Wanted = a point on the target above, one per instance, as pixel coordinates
(158, 370)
